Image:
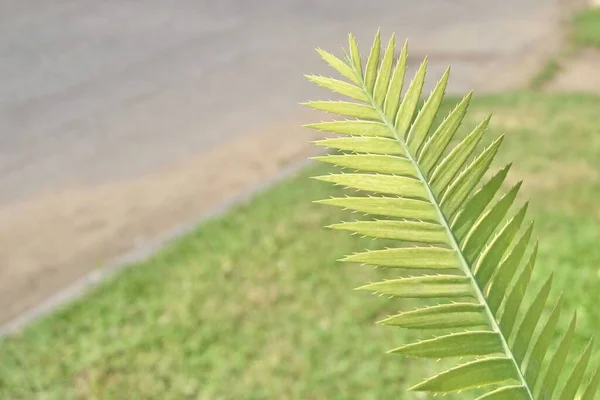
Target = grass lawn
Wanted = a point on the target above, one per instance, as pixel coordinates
(252, 305)
(586, 27)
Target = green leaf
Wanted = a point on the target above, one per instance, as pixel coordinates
(477, 203)
(487, 224)
(389, 184)
(506, 271)
(515, 297)
(507, 393)
(466, 181)
(408, 231)
(387, 206)
(353, 127)
(408, 257)
(355, 55)
(445, 171)
(372, 145)
(443, 316)
(592, 387)
(385, 72)
(438, 142)
(345, 108)
(476, 343)
(556, 362)
(433, 191)
(426, 116)
(409, 103)
(373, 163)
(530, 321)
(574, 380)
(339, 66)
(341, 87)
(392, 99)
(426, 286)
(491, 256)
(372, 64)
(542, 343)
(471, 375)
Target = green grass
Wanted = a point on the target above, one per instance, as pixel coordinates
(586, 27)
(253, 305)
(546, 74)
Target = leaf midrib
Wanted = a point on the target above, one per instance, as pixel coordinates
(453, 242)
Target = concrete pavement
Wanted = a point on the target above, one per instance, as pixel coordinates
(121, 119)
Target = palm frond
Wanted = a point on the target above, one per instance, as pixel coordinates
(464, 249)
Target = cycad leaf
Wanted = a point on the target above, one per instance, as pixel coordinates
(490, 258)
(475, 206)
(512, 302)
(392, 99)
(476, 343)
(556, 362)
(339, 65)
(372, 64)
(455, 315)
(437, 143)
(507, 393)
(445, 171)
(355, 55)
(389, 184)
(542, 343)
(411, 100)
(466, 248)
(466, 181)
(341, 87)
(426, 116)
(530, 321)
(387, 206)
(592, 386)
(481, 231)
(373, 163)
(408, 257)
(345, 108)
(428, 286)
(407, 231)
(576, 376)
(385, 74)
(506, 271)
(354, 127)
(471, 375)
(372, 145)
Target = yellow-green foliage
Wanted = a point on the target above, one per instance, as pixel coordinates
(460, 243)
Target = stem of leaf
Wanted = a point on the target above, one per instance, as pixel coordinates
(453, 241)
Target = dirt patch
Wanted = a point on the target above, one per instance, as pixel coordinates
(579, 73)
(50, 241)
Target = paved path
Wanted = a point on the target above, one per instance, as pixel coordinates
(578, 73)
(122, 118)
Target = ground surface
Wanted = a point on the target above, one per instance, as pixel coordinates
(253, 305)
(101, 101)
(577, 68)
(579, 73)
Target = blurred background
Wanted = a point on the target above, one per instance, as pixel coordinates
(123, 123)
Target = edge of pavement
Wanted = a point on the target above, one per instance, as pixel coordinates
(140, 253)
